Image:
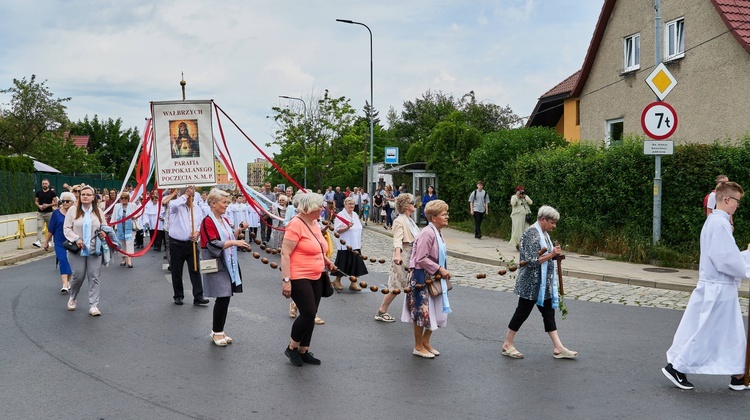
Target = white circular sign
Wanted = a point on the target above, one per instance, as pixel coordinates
(659, 120)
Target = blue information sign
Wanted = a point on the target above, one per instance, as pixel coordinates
(391, 155)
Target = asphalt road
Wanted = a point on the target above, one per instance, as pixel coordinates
(148, 358)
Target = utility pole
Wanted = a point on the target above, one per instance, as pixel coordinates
(657, 158)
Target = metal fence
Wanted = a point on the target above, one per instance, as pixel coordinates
(18, 189)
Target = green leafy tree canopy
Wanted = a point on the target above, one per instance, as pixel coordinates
(33, 111)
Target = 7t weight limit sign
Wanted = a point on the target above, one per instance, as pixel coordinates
(659, 120)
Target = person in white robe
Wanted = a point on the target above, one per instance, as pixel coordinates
(253, 221)
(711, 337)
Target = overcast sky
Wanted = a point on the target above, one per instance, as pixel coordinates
(114, 57)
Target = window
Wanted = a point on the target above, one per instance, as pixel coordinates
(614, 131)
(674, 39)
(632, 51)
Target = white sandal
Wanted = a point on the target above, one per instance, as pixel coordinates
(221, 342)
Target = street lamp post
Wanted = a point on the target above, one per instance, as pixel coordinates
(304, 111)
(372, 106)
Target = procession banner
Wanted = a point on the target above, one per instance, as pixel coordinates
(183, 143)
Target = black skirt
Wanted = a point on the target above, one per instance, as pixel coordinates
(349, 264)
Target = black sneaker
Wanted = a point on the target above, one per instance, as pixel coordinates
(294, 356)
(738, 384)
(677, 378)
(308, 357)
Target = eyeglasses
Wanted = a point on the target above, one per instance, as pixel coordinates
(736, 199)
(86, 195)
(66, 201)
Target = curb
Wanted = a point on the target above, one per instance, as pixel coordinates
(21, 256)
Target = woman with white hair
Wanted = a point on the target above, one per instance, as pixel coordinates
(536, 284)
(303, 266)
(220, 241)
(55, 229)
(349, 228)
(429, 258)
(277, 236)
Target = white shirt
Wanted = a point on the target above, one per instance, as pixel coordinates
(711, 204)
(179, 219)
(353, 235)
(150, 214)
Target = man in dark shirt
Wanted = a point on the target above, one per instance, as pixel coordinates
(338, 199)
(45, 200)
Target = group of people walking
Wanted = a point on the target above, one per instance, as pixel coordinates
(709, 340)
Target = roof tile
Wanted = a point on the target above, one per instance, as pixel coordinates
(736, 15)
(565, 86)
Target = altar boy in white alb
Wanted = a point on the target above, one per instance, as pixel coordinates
(711, 336)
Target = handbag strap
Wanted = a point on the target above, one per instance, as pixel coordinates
(313, 235)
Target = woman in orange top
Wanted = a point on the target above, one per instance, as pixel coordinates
(303, 265)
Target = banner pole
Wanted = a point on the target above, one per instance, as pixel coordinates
(747, 351)
(192, 231)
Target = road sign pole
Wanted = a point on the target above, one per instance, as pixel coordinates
(657, 200)
(657, 159)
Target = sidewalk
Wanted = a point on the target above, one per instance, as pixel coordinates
(10, 254)
(487, 251)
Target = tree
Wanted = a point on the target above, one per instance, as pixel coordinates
(487, 118)
(445, 152)
(63, 155)
(33, 111)
(324, 140)
(112, 146)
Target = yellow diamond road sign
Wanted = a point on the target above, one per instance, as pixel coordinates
(661, 81)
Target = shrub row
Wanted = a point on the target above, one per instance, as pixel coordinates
(17, 192)
(16, 164)
(605, 195)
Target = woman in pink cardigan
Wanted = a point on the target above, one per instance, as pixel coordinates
(428, 258)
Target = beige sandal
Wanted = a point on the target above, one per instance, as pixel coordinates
(221, 342)
(513, 353)
(292, 310)
(565, 354)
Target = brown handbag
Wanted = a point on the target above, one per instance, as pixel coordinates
(436, 287)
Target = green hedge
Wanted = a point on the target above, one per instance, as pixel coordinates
(16, 185)
(16, 192)
(16, 164)
(605, 195)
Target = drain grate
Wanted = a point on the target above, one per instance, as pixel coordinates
(660, 270)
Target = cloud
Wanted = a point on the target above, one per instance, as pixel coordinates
(114, 57)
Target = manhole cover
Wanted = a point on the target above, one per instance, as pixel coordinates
(660, 270)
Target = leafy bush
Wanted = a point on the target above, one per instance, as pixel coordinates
(16, 185)
(605, 195)
(494, 163)
(16, 164)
